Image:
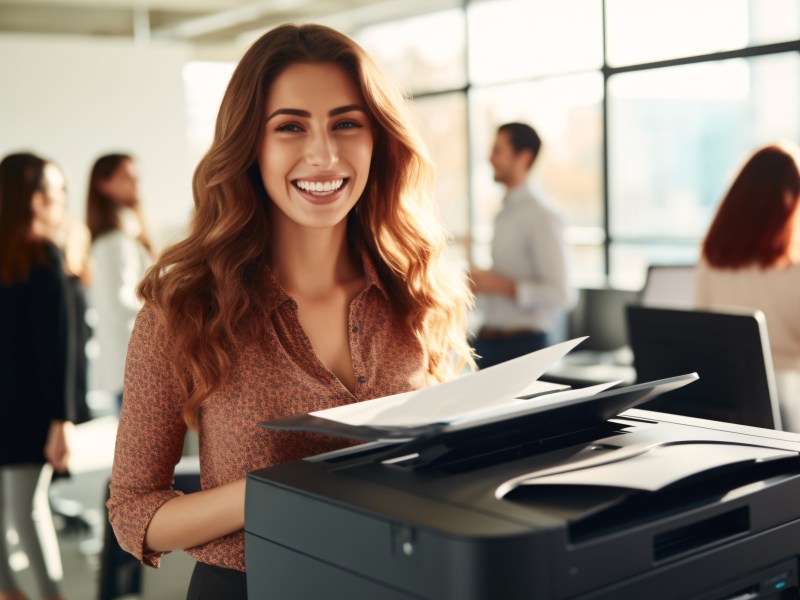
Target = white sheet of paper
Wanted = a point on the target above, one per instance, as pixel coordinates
(541, 403)
(660, 466)
(540, 387)
(483, 389)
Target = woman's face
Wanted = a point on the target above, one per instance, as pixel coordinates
(49, 204)
(317, 145)
(122, 186)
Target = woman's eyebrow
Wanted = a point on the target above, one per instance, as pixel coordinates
(296, 112)
(346, 109)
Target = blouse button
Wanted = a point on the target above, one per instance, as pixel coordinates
(362, 379)
(355, 329)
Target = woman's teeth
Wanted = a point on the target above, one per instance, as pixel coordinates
(319, 188)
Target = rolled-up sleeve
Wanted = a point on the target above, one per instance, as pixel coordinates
(149, 438)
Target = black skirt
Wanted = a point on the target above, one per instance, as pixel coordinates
(211, 583)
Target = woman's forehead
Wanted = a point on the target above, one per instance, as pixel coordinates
(308, 86)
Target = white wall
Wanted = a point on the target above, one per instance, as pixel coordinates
(72, 99)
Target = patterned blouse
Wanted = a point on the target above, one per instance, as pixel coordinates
(279, 376)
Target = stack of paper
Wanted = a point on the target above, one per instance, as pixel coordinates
(499, 393)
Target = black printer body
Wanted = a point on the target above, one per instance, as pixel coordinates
(641, 505)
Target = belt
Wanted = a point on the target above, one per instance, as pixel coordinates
(490, 333)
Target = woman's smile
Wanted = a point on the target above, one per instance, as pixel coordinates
(321, 191)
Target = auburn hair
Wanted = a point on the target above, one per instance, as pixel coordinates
(21, 176)
(754, 223)
(102, 212)
(208, 290)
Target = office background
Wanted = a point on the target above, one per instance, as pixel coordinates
(646, 108)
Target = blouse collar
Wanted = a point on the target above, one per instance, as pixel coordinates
(278, 295)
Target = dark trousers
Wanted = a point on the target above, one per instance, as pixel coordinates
(495, 350)
(211, 583)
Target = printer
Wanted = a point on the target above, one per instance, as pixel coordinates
(589, 499)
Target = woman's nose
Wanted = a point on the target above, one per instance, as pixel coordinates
(321, 150)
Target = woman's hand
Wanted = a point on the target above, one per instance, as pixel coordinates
(489, 282)
(57, 447)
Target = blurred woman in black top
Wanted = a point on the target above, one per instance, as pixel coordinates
(33, 364)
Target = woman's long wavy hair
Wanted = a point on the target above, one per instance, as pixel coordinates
(102, 212)
(208, 290)
(21, 176)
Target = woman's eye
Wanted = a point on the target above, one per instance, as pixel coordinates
(347, 125)
(289, 127)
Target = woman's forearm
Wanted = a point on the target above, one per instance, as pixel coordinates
(194, 519)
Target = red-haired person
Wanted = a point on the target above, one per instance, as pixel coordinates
(313, 276)
(34, 362)
(751, 258)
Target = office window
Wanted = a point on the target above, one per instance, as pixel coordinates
(678, 135)
(675, 135)
(587, 263)
(567, 114)
(421, 54)
(640, 31)
(514, 39)
(442, 121)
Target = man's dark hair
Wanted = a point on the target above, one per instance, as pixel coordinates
(523, 137)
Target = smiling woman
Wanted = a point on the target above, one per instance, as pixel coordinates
(312, 277)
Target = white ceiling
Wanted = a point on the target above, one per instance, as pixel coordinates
(199, 22)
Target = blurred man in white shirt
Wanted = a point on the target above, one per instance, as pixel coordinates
(527, 287)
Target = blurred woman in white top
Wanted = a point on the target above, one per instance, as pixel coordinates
(121, 252)
(751, 258)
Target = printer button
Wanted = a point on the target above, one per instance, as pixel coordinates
(404, 541)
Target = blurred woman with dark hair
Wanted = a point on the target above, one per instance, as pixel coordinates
(121, 253)
(34, 362)
(751, 258)
(74, 241)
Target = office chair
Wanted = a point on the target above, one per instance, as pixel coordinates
(729, 351)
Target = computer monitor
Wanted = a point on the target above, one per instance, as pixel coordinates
(669, 286)
(600, 314)
(728, 350)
